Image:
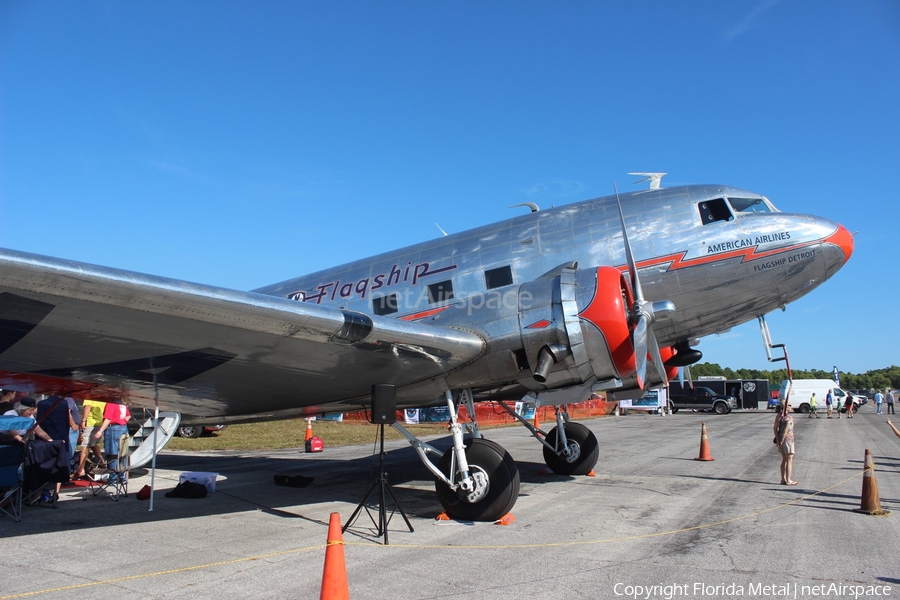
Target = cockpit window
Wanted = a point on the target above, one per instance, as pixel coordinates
(714, 210)
(749, 205)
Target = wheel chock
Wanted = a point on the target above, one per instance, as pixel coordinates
(442, 517)
(591, 473)
(507, 519)
(546, 471)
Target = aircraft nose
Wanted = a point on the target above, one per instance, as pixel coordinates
(843, 239)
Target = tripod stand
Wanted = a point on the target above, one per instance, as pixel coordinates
(382, 484)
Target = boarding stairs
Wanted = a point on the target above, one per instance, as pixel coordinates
(142, 440)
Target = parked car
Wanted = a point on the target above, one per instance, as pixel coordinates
(700, 398)
(195, 431)
(862, 395)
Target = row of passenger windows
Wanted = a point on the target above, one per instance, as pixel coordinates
(442, 291)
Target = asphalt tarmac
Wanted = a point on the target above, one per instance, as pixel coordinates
(652, 523)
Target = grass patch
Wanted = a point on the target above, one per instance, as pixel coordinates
(291, 433)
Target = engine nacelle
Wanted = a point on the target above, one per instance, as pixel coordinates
(567, 328)
(575, 326)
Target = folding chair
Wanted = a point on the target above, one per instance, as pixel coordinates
(46, 466)
(112, 481)
(11, 459)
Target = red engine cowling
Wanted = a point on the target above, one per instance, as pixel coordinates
(574, 327)
(603, 315)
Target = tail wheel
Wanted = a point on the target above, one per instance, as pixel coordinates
(496, 479)
(583, 451)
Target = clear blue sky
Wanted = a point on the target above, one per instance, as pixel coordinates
(243, 143)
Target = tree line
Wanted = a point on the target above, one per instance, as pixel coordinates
(875, 379)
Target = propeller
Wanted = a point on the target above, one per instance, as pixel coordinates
(684, 373)
(643, 313)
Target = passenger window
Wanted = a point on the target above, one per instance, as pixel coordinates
(440, 292)
(385, 305)
(499, 277)
(715, 210)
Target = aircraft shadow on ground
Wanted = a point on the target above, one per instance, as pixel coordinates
(248, 484)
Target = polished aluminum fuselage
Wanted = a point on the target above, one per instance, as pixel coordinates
(713, 283)
(317, 343)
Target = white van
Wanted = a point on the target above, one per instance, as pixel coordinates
(802, 389)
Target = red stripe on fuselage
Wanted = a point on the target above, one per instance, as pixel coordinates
(423, 314)
(542, 324)
(677, 261)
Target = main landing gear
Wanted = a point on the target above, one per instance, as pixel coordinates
(476, 479)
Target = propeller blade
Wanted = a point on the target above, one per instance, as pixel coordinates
(656, 357)
(629, 257)
(687, 374)
(640, 349)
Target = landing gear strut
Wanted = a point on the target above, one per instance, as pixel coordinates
(476, 479)
(578, 456)
(570, 448)
(496, 482)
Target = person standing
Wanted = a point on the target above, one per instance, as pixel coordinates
(91, 420)
(115, 420)
(75, 429)
(890, 402)
(812, 406)
(56, 419)
(829, 403)
(784, 438)
(879, 400)
(848, 404)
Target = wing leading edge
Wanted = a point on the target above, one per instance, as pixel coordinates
(69, 327)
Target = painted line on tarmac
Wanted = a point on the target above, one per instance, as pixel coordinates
(159, 573)
(442, 547)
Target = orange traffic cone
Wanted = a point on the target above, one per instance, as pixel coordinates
(308, 429)
(537, 423)
(334, 576)
(704, 445)
(869, 501)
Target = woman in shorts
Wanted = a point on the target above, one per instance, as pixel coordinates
(786, 447)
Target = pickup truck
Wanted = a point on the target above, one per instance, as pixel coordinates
(700, 398)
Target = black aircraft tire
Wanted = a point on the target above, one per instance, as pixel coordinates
(502, 473)
(586, 440)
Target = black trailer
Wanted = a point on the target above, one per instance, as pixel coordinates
(748, 392)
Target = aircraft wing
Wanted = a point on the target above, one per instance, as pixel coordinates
(68, 327)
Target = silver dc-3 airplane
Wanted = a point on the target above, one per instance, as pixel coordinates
(551, 304)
